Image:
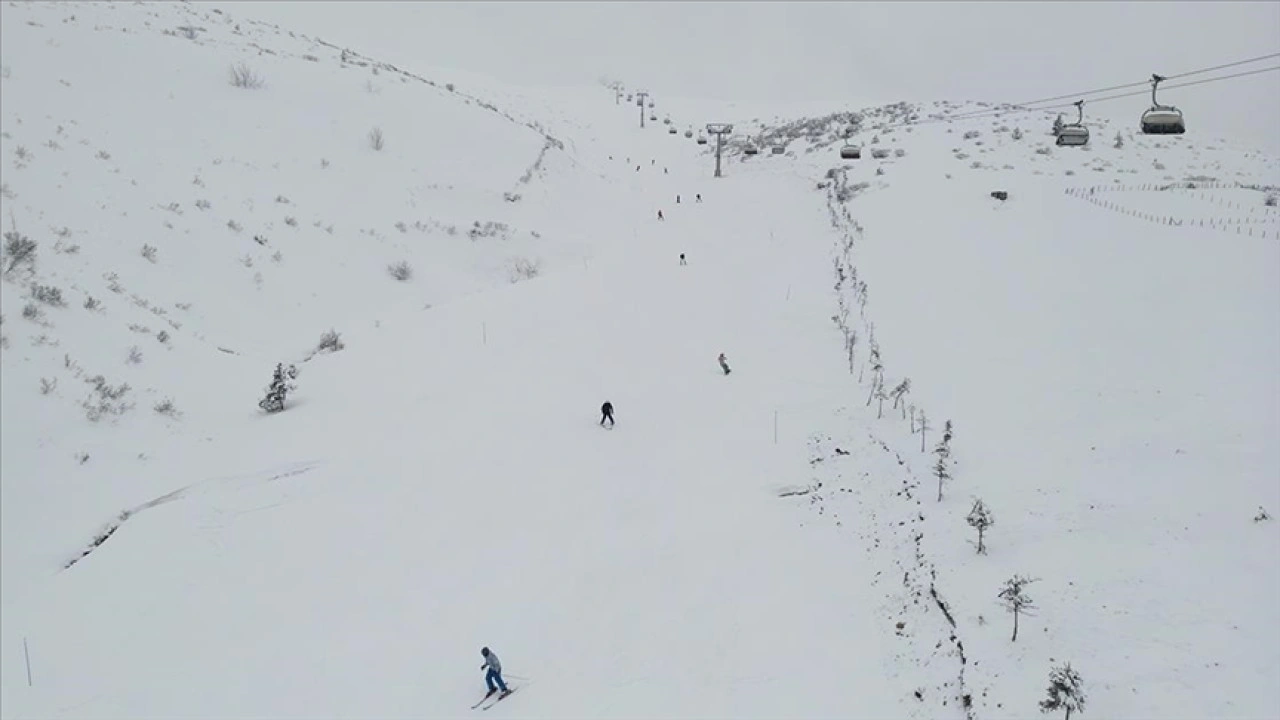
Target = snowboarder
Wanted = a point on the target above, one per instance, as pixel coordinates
(677, 199)
(724, 364)
(682, 260)
(660, 215)
(494, 676)
(698, 197)
(664, 171)
(606, 413)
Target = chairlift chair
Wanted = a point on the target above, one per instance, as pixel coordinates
(653, 118)
(850, 152)
(671, 131)
(778, 150)
(1161, 119)
(688, 133)
(702, 140)
(1076, 133)
(750, 150)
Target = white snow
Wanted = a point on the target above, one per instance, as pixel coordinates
(766, 544)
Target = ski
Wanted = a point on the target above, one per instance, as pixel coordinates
(486, 697)
(512, 691)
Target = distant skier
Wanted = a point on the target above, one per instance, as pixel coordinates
(677, 199)
(637, 168)
(494, 676)
(664, 171)
(606, 413)
(698, 197)
(724, 364)
(682, 260)
(660, 215)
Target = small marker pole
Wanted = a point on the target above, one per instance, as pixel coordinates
(775, 427)
(27, 654)
(484, 332)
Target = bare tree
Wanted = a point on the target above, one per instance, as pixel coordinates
(899, 391)
(375, 139)
(925, 427)
(980, 518)
(1066, 691)
(941, 469)
(280, 387)
(1016, 600)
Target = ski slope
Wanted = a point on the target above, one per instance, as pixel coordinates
(763, 544)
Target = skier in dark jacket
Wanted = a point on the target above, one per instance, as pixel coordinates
(606, 413)
(494, 677)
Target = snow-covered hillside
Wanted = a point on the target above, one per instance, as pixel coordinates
(768, 543)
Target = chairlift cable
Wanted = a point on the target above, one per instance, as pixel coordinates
(1011, 109)
(1144, 83)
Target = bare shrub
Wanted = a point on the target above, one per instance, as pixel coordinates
(105, 400)
(162, 336)
(91, 303)
(32, 312)
(149, 252)
(203, 204)
(48, 294)
(243, 76)
(330, 342)
(291, 221)
(525, 269)
(167, 408)
(135, 355)
(47, 386)
(19, 249)
(400, 270)
(234, 226)
(376, 140)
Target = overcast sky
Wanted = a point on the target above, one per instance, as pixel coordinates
(839, 52)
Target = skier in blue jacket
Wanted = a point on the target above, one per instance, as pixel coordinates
(494, 676)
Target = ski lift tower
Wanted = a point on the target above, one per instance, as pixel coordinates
(719, 130)
(640, 98)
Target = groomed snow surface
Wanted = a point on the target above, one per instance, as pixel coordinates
(760, 545)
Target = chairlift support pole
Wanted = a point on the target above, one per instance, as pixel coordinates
(1079, 112)
(719, 130)
(640, 98)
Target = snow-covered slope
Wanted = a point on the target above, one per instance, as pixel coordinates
(763, 544)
